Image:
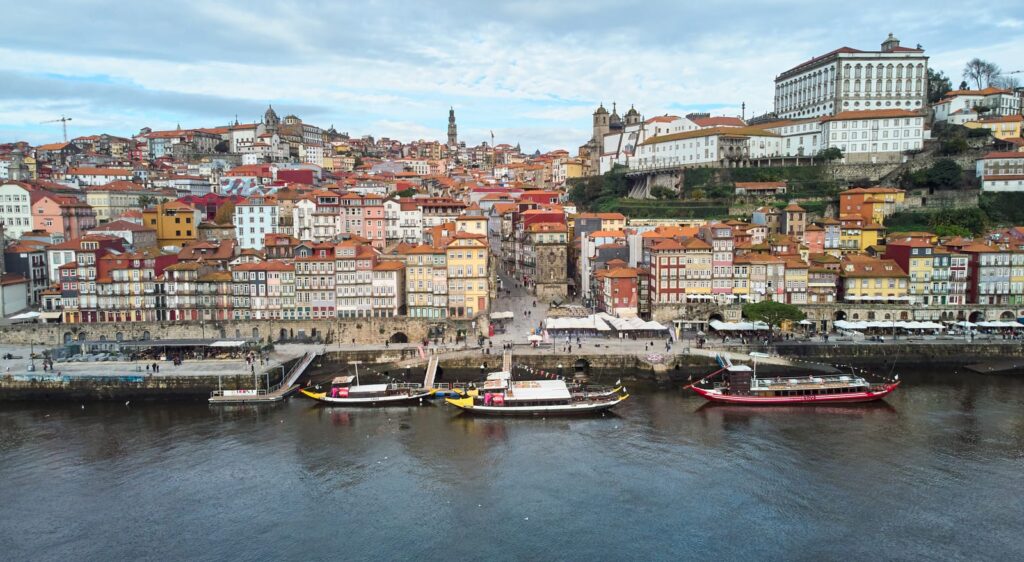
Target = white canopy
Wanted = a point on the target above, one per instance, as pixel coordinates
(1001, 324)
(507, 315)
(737, 326)
(602, 322)
(228, 343)
(26, 315)
(904, 325)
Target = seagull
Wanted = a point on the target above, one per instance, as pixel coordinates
(83, 406)
(126, 402)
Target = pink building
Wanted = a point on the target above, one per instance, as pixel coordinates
(61, 214)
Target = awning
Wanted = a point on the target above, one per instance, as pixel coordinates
(720, 326)
(1001, 324)
(507, 315)
(30, 315)
(52, 315)
(228, 343)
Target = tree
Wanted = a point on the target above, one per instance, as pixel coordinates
(772, 313)
(830, 153)
(225, 213)
(982, 73)
(938, 85)
(945, 174)
(1008, 82)
(407, 192)
(146, 200)
(963, 85)
(662, 192)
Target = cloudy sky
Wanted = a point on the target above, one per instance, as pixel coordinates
(530, 70)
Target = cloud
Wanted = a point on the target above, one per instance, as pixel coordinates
(531, 69)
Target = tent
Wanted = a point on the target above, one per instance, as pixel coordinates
(720, 326)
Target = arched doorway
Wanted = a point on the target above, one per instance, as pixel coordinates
(904, 315)
(255, 333)
(145, 335)
(976, 317)
(398, 337)
(715, 316)
(119, 336)
(81, 336)
(839, 315)
(581, 367)
(1006, 315)
(68, 338)
(282, 335)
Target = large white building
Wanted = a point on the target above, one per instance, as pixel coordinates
(715, 147)
(875, 135)
(253, 219)
(848, 79)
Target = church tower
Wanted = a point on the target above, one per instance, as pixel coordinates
(600, 124)
(271, 120)
(453, 134)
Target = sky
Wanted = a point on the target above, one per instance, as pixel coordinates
(531, 71)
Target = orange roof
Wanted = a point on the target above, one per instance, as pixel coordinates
(607, 234)
(99, 172)
(760, 184)
(618, 272)
(389, 266)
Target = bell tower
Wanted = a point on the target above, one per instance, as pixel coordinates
(453, 133)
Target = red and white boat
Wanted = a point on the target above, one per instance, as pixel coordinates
(742, 386)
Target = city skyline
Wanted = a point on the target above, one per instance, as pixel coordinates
(394, 70)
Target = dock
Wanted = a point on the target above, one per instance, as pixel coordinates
(990, 367)
(276, 393)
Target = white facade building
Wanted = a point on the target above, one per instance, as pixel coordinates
(253, 219)
(997, 101)
(849, 79)
(874, 136)
(716, 147)
(1003, 183)
(15, 210)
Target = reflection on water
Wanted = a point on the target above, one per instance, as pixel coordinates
(934, 470)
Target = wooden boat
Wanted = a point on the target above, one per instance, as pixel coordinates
(501, 396)
(343, 393)
(742, 386)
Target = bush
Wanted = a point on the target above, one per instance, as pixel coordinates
(953, 147)
(978, 133)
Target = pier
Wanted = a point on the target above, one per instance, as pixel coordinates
(276, 393)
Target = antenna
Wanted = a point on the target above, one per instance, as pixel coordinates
(64, 123)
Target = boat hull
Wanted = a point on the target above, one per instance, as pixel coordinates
(372, 401)
(466, 405)
(850, 398)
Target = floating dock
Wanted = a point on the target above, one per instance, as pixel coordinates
(287, 386)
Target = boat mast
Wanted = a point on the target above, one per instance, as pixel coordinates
(356, 363)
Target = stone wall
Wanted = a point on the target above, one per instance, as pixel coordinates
(825, 314)
(365, 330)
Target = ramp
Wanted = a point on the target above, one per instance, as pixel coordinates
(506, 361)
(428, 381)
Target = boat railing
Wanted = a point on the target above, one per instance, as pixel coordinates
(451, 385)
(262, 392)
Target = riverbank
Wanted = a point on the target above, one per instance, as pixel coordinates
(601, 362)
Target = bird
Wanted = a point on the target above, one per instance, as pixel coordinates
(83, 406)
(126, 402)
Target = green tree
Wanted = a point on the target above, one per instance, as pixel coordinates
(945, 174)
(938, 85)
(407, 192)
(830, 153)
(662, 192)
(953, 147)
(146, 201)
(772, 313)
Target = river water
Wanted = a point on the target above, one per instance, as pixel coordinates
(935, 472)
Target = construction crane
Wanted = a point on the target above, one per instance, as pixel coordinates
(64, 123)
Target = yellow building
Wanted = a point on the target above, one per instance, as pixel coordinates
(426, 282)
(176, 224)
(796, 281)
(468, 262)
(574, 168)
(471, 224)
(872, 280)
(1002, 127)
(696, 261)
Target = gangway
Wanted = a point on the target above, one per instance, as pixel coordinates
(276, 393)
(428, 381)
(506, 361)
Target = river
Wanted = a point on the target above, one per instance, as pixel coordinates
(934, 472)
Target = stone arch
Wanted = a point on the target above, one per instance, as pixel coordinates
(856, 316)
(68, 338)
(1006, 315)
(976, 316)
(716, 316)
(146, 336)
(871, 315)
(119, 336)
(581, 366)
(887, 316)
(81, 336)
(839, 315)
(282, 334)
(398, 337)
(255, 333)
(103, 338)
